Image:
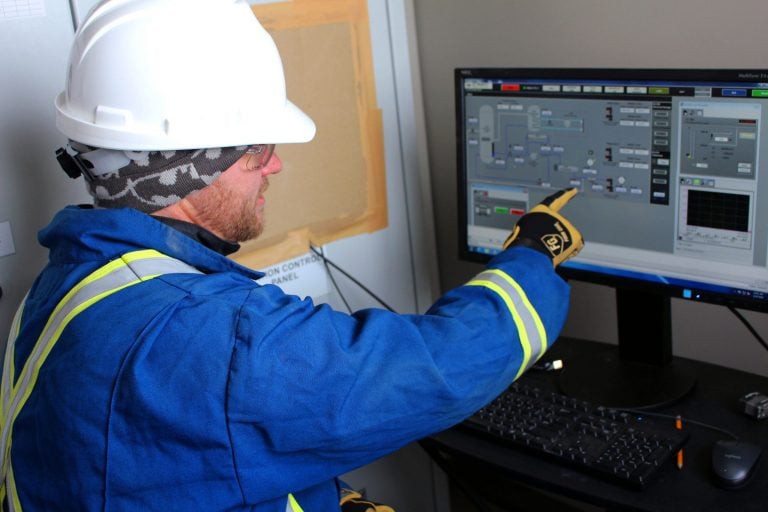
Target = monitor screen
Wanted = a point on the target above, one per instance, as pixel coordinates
(671, 167)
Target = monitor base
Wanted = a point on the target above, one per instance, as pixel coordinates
(604, 379)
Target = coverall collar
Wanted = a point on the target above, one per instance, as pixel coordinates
(84, 233)
(201, 235)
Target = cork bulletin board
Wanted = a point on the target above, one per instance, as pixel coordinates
(334, 186)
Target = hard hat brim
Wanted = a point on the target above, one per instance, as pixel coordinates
(290, 125)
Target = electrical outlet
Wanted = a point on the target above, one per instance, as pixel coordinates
(6, 239)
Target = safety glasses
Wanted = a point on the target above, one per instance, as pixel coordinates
(258, 156)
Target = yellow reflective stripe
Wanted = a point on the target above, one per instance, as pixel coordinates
(526, 319)
(121, 273)
(98, 274)
(142, 254)
(149, 264)
(293, 505)
(524, 342)
(13, 503)
(9, 369)
(531, 310)
(8, 374)
(31, 371)
(34, 366)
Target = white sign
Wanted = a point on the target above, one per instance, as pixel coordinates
(10, 9)
(304, 276)
(6, 239)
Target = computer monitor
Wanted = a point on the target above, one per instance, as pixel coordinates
(672, 171)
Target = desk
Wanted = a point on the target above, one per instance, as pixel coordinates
(713, 401)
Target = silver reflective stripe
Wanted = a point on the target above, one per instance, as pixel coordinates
(151, 267)
(131, 268)
(7, 381)
(8, 370)
(533, 337)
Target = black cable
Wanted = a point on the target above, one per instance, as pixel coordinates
(684, 420)
(358, 283)
(333, 280)
(336, 286)
(749, 327)
(74, 13)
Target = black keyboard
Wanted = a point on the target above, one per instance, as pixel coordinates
(615, 445)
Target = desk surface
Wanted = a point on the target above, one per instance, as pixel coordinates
(714, 401)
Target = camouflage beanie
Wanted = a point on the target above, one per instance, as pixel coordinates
(156, 179)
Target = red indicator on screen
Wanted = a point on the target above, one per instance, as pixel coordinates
(515, 211)
(510, 87)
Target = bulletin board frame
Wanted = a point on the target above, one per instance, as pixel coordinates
(335, 186)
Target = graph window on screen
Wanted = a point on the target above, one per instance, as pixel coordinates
(670, 167)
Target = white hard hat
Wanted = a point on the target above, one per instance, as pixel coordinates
(176, 74)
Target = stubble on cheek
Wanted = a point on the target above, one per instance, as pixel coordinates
(235, 217)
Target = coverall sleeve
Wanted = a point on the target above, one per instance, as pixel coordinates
(320, 392)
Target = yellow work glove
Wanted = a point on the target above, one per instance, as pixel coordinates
(544, 229)
(353, 501)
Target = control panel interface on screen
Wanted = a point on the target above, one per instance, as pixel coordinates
(672, 174)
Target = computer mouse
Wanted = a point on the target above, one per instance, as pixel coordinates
(734, 462)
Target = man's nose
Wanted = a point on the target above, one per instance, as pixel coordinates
(274, 166)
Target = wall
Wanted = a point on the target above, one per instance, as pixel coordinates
(586, 33)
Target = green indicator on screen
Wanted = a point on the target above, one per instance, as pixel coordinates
(658, 90)
(760, 93)
(502, 210)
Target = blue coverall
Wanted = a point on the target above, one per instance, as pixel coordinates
(214, 392)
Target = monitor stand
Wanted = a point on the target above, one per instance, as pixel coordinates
(640, 373)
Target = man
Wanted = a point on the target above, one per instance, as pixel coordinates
(147, 371)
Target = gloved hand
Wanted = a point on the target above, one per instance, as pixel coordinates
(353, 501)
(545, 230)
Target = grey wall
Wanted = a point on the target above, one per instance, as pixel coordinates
(586, 33)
